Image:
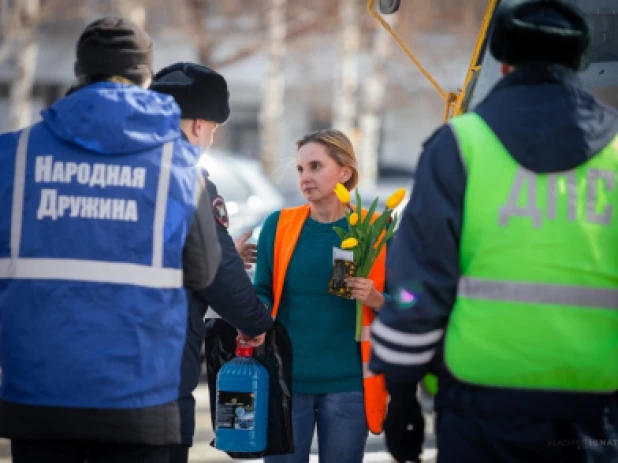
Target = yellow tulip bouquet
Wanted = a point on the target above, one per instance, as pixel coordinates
(366, 236)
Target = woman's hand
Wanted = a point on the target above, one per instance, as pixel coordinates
(247, 251)
(364, 291)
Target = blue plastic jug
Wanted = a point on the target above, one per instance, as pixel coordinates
(242, 404)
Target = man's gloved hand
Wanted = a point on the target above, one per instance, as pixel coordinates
(246, 341)
(404, 427)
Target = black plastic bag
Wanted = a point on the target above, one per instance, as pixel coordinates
(276, 356)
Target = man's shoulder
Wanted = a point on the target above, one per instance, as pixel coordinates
(10, 140)
(7, 140)
(219, 208)
(442, 133)
(210, 185)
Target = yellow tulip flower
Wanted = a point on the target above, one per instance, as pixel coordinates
(349, 243)
(342, 193)
(395, 199)
(353, 218)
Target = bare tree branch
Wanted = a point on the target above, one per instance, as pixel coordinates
(374, 92)
(345, 107)
(197, 10)
(20, 89)
(19, 27)
(272, 107)
(294, 33)
(10, 27)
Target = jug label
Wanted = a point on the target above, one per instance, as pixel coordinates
(235, 410)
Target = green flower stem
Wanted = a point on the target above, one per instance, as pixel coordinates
(359, 320)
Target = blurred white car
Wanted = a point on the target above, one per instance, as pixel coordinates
(248, 193)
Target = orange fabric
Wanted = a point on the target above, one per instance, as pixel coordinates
(376, 396)
(290, 224)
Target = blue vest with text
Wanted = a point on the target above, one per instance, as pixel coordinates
(92, 308)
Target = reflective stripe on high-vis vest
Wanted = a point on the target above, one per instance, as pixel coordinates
(152, 276)
(537, 302)
(512, 291)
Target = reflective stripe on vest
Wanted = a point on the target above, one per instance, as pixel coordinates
(407, 340)
(152, 276)
(289, 226)
(538, 293)
(510, 291)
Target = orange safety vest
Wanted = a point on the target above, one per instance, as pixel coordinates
(290, 224)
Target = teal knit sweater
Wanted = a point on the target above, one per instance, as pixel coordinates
(321, 326)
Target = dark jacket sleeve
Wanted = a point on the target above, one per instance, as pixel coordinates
(202, 252)
(422, 266)
(231, 294)
(263, 280)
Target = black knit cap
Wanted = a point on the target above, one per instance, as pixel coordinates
(550, 31)
(200, 92)
(114, 47)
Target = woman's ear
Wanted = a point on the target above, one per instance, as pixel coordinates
(346, 174)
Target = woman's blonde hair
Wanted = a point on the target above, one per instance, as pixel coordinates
(85, 80)
(338, 147)
(120, 80)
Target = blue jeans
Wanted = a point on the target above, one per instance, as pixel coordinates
(342, 428)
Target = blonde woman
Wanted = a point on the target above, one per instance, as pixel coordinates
(296, 247)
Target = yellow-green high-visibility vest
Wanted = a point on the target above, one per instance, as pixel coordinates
(537, 302)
